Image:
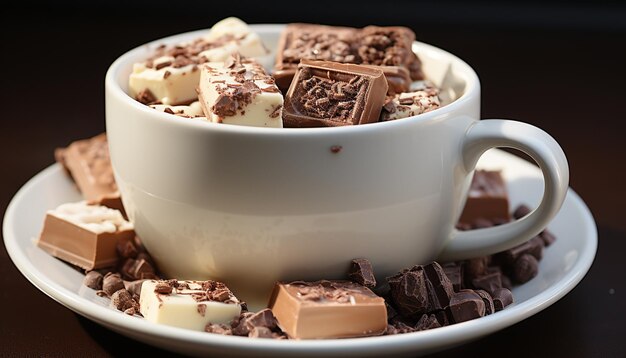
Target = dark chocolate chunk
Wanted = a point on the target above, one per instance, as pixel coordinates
(391, 312)
(164, 288)
(409, 291)
(111, 283)
(521, 211)
(239, 325)
(489, 307)
(134, 287)
(427, 321)
(525, 268)
(126, 249)
(501, 298)
(93, 280)
(362, 273)
(454, 272)
(439, 286)
(489, 282)
(475, 268)
(466, 305)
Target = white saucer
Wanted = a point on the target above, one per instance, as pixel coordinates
(564, 264)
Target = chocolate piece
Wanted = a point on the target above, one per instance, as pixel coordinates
(427, 322)
(466, 305)
(398, 79)
(506, 282)
(84, 235)
(126, 248)
(239, 324)
(532, 247)
(487, 198)
(525, 268)
(89, 163)
(401, 327)
(475, 267)
(489, 282)
(332, 94)
(111, 283)
(521, 211)
(373, 45)
(390, 46)
(547, 237)
(409, 291)
(501, 298)
(489, 307)
(328, 309)
(439, 286)
(454, 272)
(362, 273)
(134, 287)
(93, 280)
(218, 328)
(123, 300)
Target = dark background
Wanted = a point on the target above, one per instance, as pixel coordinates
(557, 65)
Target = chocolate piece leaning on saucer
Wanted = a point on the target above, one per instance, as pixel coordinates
(88, 163)
(487, 198)
(329, 94)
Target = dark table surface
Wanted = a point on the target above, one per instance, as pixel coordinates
(567, 79)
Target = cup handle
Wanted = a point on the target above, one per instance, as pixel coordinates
(540, 146)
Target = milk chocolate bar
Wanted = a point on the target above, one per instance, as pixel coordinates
(332, 94)
(84, 235)
(487, 198)
(88, 163)
(372, 45)
(328, 309)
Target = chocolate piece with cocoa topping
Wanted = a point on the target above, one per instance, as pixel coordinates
(332, 94)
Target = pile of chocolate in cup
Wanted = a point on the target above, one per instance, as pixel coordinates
(331, 77)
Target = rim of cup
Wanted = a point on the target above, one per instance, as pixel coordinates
(116, 80)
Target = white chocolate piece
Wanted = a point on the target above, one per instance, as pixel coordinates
(193, 110)
(95, 218)
(173, 84)
(244, 41)
(242, 94)
(424, 98)
(180, 309)
(169, 85)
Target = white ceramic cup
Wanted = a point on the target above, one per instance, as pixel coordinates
(250, 206)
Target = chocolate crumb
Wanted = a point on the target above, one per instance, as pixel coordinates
(168, 110)
(336, 149)
(166, 74)
(163, 288)
(202, 309)
(146, 97)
